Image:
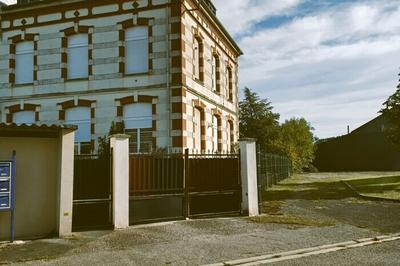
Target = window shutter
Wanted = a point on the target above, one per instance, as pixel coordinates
(24, 117)
(78, 62)
(24, 63)
(136, 50)
(79, 116)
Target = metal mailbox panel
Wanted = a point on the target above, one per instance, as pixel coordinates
(5, 170)
(4, 201)
(4, 185)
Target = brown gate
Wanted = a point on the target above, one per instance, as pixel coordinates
(171, 187)
(214, 186)
(156, 188)
(92, 202)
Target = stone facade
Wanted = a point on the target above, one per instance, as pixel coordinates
(192, 65)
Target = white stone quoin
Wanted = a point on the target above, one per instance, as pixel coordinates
(248, 161)
(120, 153)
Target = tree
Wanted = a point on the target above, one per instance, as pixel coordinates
(104, 142)
(391, 111)
(257, 120)
(296, 141)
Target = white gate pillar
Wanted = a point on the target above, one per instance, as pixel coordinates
(248, 163)
(120, 157)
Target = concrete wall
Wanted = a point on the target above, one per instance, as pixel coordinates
(36, 186)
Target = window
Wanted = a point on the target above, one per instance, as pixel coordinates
(230, 85)
(197, 59)
(24, 62)
(215, 125)
(78, 63)
(197, 130)
(215, 75)
(24, 117)
(136, 50)
(229, 135)
(138, 119)
(80, 116)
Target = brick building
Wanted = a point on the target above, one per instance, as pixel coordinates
(163, 70)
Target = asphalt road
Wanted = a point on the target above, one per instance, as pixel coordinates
(380, 254)
(196, 242)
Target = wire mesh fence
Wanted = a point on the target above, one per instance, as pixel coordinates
(272, 169)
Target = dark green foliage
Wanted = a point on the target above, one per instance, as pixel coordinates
(104, 142)
(257, 120)
(296, 141)
(293, 139)
(391, 111)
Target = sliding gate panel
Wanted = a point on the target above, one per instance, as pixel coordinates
(214, 184)
(92, 204)
(156, 188)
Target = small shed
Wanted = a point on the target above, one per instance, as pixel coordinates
(44, 179)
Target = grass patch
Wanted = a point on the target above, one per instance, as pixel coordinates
(382, 187)
(288, 220)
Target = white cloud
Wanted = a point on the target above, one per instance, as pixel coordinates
(240, 15)
(333, 66)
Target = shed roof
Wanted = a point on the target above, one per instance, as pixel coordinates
(39, 130)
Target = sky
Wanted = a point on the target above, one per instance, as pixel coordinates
(333, 62)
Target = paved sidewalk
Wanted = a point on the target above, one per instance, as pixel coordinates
(292, 224)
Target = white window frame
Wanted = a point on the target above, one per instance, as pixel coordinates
(215, 125)
(82, 119)
(137, 117)
(78, 56)
(197, 130)
(24, 58)
(137, 45)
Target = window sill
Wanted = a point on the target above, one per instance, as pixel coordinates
(22, 84)
(137, 74)
(199, 81)
(77, 79)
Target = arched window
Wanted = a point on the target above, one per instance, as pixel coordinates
(138, 119)
(215, 125)
(24, 62)
(24, 117)
(197, 130)
(80, 116)
(136, 50)
(77, 61)
(215, 75)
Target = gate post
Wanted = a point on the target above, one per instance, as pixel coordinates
(120, 180)
(248, 165)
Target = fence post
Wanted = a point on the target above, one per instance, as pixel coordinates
(248, 162)
(120, 170)
(65, 183)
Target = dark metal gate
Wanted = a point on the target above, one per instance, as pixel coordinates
(92, 204)
(156, 188)
(171, 187)
(213, 184)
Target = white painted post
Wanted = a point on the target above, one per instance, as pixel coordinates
(248, 162)
(120, 155)
(65, 182)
